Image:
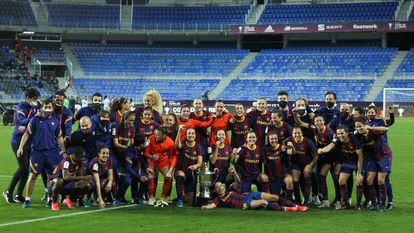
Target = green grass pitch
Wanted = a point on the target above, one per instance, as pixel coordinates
(188, 219)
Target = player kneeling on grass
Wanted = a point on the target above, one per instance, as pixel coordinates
(70, 179)
(230, 198)
(102, 172)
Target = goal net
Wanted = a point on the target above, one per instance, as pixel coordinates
(402, 99)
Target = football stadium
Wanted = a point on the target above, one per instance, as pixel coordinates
(206, 115)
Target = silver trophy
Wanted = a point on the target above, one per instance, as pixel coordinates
(206, 180)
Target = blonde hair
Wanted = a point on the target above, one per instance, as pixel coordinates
(157, 100)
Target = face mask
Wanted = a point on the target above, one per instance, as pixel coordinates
(371, 117)
(33, 104)
(302, 111)
(96, 106)
(330, 104)
(46, 114)
(344, 115)
(283, 104)
(104, 122)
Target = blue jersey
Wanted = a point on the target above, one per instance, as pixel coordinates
(223, 158)
(103, 133)
(188, 156)
(251, 161)
(22, 116)
(86, 141)
(276, 162)
(324, 137)
(348, 150)
(259, 122)
(304, 151)
(328, 114)
(43, 132)
(349, 123)
(64, 115)
(86, 111)
(375, 145)
(283, 132)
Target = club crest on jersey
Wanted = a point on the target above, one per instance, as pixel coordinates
(36, 165)
(53, 123)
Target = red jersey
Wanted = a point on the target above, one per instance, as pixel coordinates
(191, 123)
(220, 123)
(164, 150)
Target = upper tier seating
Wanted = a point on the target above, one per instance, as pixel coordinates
(94, 16)
(328, 13)
(157, 62)
(16, 13)
(213, 17)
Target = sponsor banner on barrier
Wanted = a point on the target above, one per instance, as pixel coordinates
(393, 26)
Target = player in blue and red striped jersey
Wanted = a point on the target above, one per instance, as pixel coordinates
(240, 127)
(378, 156)
(101, 169)
(136, 168)
(25, 111)
(151, 99)
(118, 108)
(189, 160)
(277, 166)
(352, 160)
(123, 142)
(278, 125)
(230, 198)
(250, 160)
(303, 157)
(373, 121)
(46, 141)
(146, 125)
(71, 178)
(260, 119)
(202, 137)
(221, 156)
(324, 136)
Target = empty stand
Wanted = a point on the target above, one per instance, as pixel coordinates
(250, 89)
(321, 62)
(214, 17)
(328, 13)
(16, 13)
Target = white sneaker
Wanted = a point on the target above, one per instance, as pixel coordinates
(325, 204)
(316, 201)
(151, 201)
(338, 205)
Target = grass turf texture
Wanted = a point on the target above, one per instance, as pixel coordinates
(189, 219)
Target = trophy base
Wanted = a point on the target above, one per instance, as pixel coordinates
(200, 201)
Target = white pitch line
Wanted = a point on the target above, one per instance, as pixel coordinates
(5, 176)
(63, 216)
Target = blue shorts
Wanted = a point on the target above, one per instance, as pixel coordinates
(296, 167)
(382, 165)
(348, 168)
(252, 196)
(50, 160)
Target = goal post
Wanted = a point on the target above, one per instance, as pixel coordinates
(402, 99)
